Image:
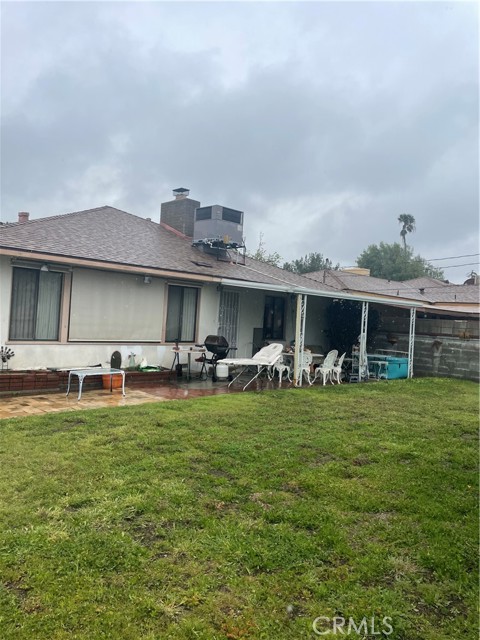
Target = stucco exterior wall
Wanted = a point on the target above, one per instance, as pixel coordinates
(316, 328)
(87, 352)
(84, 342)
(5, 295)
(251, 309)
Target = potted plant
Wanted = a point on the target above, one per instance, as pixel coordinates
(115, 381)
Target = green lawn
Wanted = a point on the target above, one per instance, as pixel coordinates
(244, 516)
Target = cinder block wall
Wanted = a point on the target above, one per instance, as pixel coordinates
(444, 348)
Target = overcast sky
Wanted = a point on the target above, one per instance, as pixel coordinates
(322, 121)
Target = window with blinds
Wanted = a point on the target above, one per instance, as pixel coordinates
(181, 314)
(36, 301)
(119, 307)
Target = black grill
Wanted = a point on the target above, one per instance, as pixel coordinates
(219, 348)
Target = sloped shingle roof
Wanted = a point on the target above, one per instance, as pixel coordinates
(113, 236)
(429, 290)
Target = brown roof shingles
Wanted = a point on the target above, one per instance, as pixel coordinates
(116, 237)
(113, 236)
(430, 291)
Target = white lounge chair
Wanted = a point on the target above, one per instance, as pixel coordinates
(263, 360)
(326, 368)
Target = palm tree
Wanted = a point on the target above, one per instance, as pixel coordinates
(408, 225)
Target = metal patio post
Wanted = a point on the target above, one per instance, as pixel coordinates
(299, 338)
(411, 341)
(362, 356)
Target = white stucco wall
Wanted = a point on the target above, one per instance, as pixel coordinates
(5, 294)
(251, 312)
(152, 315)
(316, 336)
(91, 307)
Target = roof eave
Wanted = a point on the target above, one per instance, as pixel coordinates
(296, 289)
(110, 266)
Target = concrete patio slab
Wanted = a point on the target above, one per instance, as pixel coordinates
(28, 405)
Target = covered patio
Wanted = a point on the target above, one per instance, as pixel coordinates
(307, 324)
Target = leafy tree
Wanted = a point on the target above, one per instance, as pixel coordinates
(392, 262)
(311, 262)
(262, 255)
(408, 226)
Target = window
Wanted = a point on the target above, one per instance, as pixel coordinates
(181, 314)
(115, 307)
(35, 311)
(273, 318)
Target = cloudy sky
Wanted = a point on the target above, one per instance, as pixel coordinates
(323, 121)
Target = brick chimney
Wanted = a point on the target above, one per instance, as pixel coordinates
(180, 212)
(23, 216)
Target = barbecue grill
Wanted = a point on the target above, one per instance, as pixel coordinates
(219, 348)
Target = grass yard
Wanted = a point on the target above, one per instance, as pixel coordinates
(245, 516)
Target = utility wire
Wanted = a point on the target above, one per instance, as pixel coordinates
(466, 264)
(467, 255)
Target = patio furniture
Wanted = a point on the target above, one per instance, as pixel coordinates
(337, 369)
(94, 371)
(388, 367)
(325, 370)
(264, 359)
(306, 359)
(359, 371)
(377, 369)
(219, 348)
(282, 366)
(178, 366)
(306, 364)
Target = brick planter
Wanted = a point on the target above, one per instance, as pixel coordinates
(16, 382)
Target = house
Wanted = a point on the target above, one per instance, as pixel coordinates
(76, 287)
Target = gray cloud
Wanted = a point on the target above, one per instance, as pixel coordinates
(322, 121)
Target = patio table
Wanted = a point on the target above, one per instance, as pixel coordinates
(291, 354)
(188, 351)
(380, 368)
(94, 371)
(289, 358)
